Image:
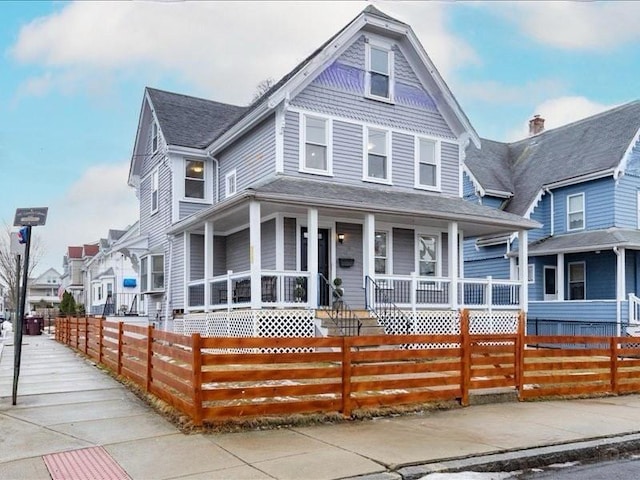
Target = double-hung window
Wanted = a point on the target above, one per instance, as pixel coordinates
(152, 273)
(194, 179)
(427, 255)
(377, 163)
(381, 253)
(575, 212)
(316, 150)
(427, 173)
(230, 183)
(154, 191)
(577, 277)
(379, 72)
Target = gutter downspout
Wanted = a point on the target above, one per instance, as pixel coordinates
(619, 259)
(217, 195)
(552, 220)
(169, 298)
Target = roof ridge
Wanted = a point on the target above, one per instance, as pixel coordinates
(193, 97)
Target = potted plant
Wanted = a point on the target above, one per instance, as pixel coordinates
(298, 289)
(338, 291)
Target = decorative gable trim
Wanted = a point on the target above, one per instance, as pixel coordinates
(534, 204)
(476, 184)
(624, 161)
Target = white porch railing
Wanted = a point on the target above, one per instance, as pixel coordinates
(233, 290)
(487, 293)
(634, 309)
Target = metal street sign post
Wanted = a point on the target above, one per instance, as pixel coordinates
(26, 218)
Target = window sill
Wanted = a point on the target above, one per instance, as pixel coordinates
(196, 200)
(428, 188)
(388, 101)
(381, 181)
(323, 173)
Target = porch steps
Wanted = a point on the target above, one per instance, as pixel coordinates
(370, 325)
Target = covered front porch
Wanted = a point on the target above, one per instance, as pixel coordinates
(304, 244)
(586, 283)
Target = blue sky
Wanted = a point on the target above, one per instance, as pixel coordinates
(73, 76)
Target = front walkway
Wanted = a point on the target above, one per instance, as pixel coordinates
(65, 404)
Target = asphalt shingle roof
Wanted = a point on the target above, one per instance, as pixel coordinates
(591, 145)
(189, 121)
(586, 241)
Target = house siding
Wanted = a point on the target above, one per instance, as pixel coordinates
(600, 273)
(352, 278)
(626, 201)
(196, 249)
(219, 255)
(542, 214)
(450, 169)
(290, 247)
(268, 245)
(186, 209)
(404, 262)
(238, 251)
(253, 157)
(177, 272)
(599, 204)
(488, 267)
(469, 190)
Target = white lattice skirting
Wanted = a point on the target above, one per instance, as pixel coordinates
(250, 323)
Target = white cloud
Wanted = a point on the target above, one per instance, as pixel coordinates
(594, 26)
(557, 112)
(223, 49)
(98, 201)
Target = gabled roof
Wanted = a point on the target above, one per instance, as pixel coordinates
(586, 147)
(190, 121)
(90, 249)
(74, 252)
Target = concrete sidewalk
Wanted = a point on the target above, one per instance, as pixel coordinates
(65, 403)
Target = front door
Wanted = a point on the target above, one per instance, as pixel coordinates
(323, 261)
(550, 280)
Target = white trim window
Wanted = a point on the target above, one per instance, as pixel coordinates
(152, 273)
(577, 280)
(379, 79)
(377, 158)
(381, 253)
(315, 137)
(154, 137)
(575, 212)
(230, 185)
(154, 191)
(427, 170)
(531, 273)
(194, 179)
(428, 255)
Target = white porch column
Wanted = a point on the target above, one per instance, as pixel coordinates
(255, 254)
(560, 277)
(187, 268)
(523, 261)
(369, 246)
(620, 274)
(454, 246)
(208, 263)
(312, 257)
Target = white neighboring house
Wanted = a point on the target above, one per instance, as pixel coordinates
(111, 278)
(3, 292)
(42, 292)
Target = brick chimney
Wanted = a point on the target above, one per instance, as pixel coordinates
(536, 125)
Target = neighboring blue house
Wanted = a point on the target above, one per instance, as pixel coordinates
(349, 167)
(582, 183)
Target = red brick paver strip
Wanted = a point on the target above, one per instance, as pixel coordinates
(85, 464)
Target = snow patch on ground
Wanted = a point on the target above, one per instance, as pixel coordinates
(564, 465)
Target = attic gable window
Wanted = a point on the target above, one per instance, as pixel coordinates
(154, 191)
(194, 181)
(379, 64)
(154, 137)
(230, 183)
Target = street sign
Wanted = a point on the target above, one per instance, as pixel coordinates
(30, 217)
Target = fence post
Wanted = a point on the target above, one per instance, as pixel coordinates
(149, 355)
(100, 342)
(346, 376)
(519, 353)
(77, 333)
(86, 335)
(196, 370)
(465, 357)
(613, 344)
(120, 337)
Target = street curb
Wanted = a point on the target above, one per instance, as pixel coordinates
(593, 449)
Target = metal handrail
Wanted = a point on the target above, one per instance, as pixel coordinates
(378, 301)
(339, 312)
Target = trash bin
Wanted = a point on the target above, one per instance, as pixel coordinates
(31, 326)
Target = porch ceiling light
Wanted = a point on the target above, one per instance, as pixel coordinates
(341, 237)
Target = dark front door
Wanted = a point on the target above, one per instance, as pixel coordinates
(323, 261)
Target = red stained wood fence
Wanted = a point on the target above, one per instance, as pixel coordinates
(214, 379)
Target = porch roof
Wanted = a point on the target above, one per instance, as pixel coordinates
(586, 242)
(474, 219)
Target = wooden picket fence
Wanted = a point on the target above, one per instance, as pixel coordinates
(216, 379)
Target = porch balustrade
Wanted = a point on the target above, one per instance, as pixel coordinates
(489, 292)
